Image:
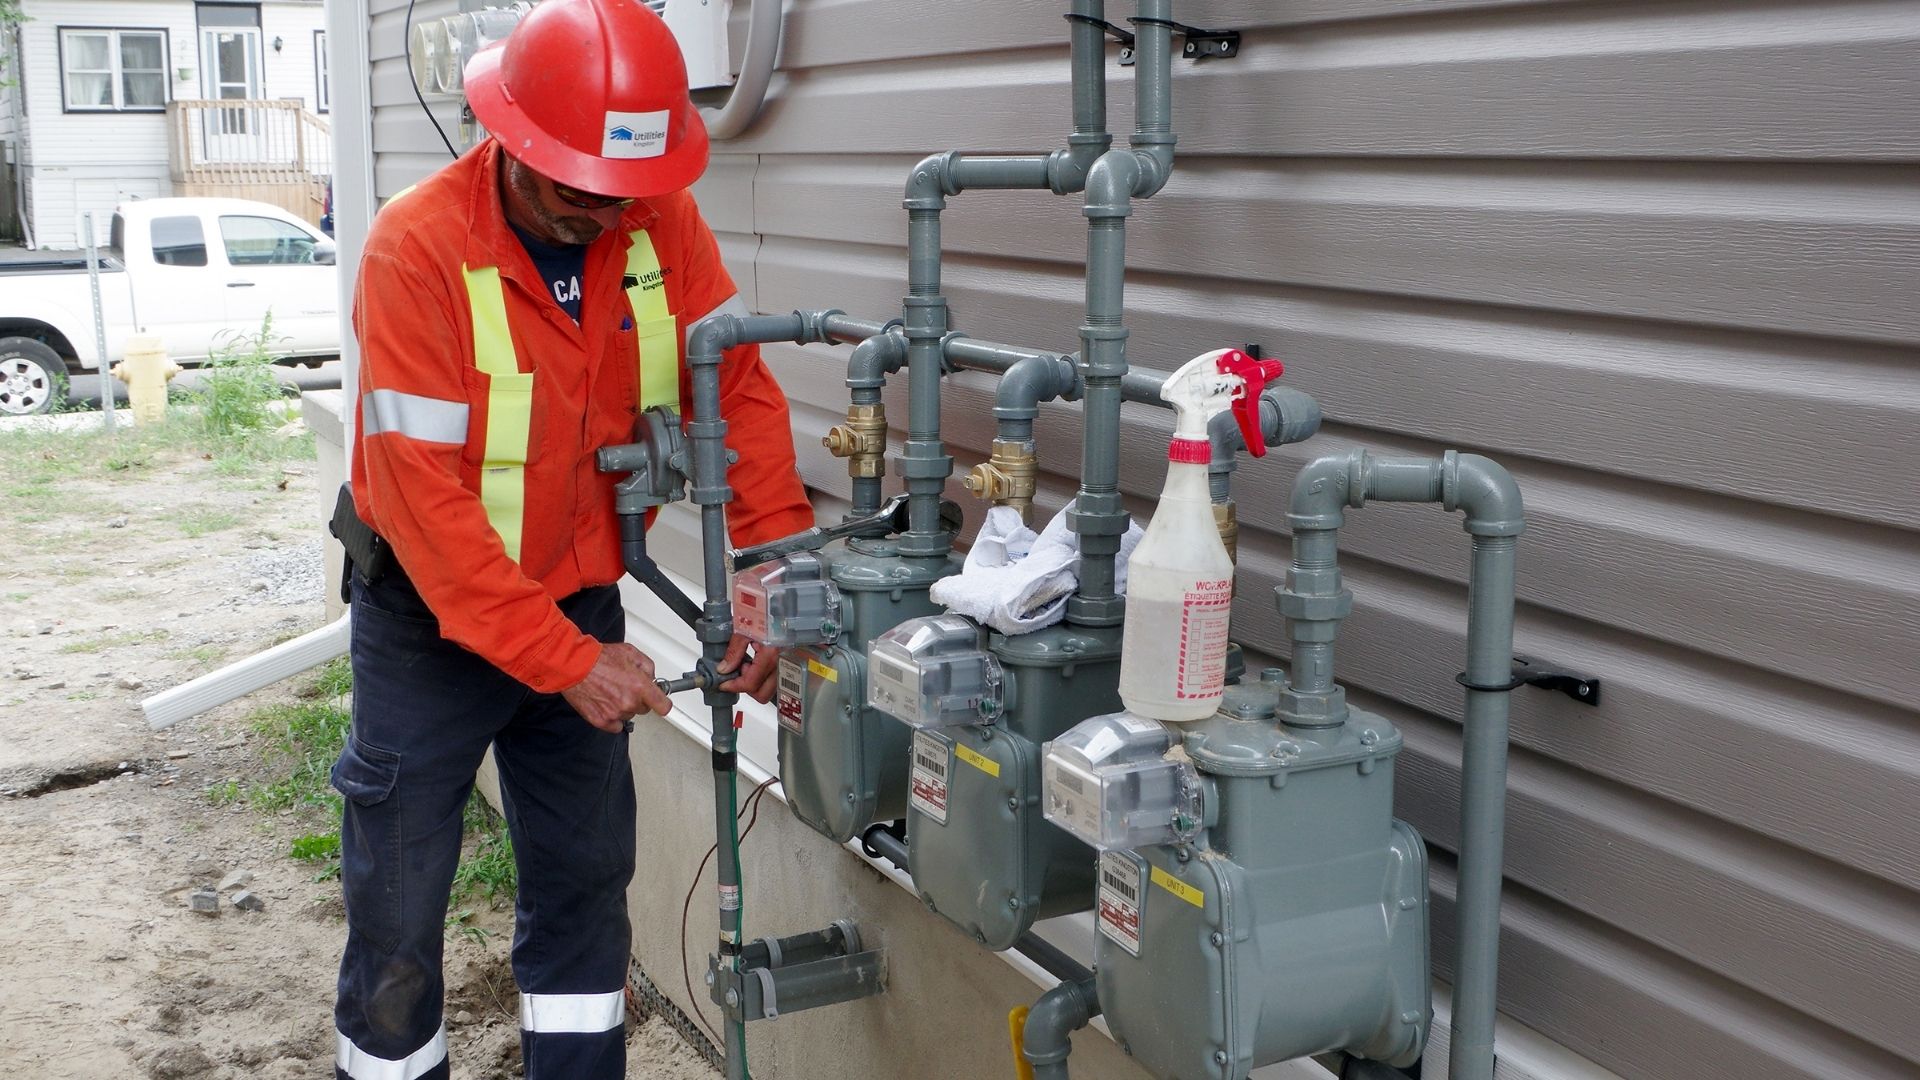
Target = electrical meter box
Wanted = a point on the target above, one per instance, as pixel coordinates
(843, 764)
(1112, 783)
(789, 601)
(934, 672)
(1294, 924)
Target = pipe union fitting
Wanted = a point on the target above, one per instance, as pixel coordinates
(1315, 607)
(1313, 710)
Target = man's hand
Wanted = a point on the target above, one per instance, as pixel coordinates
(619, 686)
(757, 680)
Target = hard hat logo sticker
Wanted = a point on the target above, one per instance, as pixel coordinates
(634, 135)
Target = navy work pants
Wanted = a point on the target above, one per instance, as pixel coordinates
(424, 711)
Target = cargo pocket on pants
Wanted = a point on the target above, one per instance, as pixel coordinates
(370, 842)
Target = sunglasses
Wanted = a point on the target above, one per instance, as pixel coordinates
(587, 200)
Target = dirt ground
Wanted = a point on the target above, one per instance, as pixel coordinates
(128, 574)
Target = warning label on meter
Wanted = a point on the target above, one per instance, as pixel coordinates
(792, 698)
(1118, 911)
(932, 760)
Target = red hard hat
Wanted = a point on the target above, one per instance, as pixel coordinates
(593, 94)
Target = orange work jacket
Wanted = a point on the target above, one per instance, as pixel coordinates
(423, 413)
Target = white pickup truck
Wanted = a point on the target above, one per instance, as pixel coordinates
(198, 273)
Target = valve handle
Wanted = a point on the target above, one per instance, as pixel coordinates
(1254, 375)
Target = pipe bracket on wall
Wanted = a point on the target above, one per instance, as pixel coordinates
(1527, 672)
(1199, 44)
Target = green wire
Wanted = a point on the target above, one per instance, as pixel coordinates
(740, 913)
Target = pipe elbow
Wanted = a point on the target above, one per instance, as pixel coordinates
(1486, 492)
(1031, 381)
(1110, 184)
(1051, 1022)
(931, 181)
(875, 358)
(1223, 432)
(710, 337)
(1288, 416)
(1323, 489)
(1155, 156)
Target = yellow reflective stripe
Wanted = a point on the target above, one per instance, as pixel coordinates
(503, 473)
(656, 332)
(492, 341)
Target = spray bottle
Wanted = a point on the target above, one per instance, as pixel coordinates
(1173, 651)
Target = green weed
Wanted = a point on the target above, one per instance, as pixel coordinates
(315, 847)
(116, 640)
(486, 867)
(239, 387)
(200, 519)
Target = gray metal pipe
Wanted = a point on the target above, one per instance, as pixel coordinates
(1286, 416)
(1047, 1038)
(1153, 137)
(1067, 168)
(1030, 381)
(1314, 602)
(707, 341)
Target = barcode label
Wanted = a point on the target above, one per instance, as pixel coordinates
(1118, 902)
(792, 698)
(932, 760)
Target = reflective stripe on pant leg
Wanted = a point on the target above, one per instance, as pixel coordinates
(572, 1014)
(356, 1064)
(656, 332)
(503, 473)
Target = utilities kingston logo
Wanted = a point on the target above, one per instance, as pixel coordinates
(634, 135)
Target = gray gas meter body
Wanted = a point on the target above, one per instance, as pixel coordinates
(843, 765)
(982, 854)
(1295, 923)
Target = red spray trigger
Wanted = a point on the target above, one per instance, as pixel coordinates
(1256, 374)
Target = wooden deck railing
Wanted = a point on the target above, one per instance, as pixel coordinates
(273, 151)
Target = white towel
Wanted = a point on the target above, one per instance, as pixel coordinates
(1015, 581)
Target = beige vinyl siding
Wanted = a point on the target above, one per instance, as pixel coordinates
(1658, 258)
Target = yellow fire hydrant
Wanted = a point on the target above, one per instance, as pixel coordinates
(146, 369)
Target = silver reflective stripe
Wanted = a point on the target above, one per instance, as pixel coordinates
(424, 418)
(357, 1064)
(579, 1014)
(732, 305)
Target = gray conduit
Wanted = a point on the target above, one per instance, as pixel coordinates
(749, 94)
(1314, 602)
(1048, 1037)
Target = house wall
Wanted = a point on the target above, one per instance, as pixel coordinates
(1659, 258)
(90, 161)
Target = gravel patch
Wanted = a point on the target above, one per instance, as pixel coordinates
(285, 574)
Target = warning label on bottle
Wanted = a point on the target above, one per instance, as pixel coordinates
(1117, 913)
(932, 761)
(791, 700)
(1206, 617)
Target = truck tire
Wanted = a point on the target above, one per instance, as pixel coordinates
(33, 378)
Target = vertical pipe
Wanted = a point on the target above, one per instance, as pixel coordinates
(707, 434)
(1482, 807)
(924, 462)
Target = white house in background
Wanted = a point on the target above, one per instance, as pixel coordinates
(110, 101)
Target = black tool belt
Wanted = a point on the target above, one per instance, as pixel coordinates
(366, 551)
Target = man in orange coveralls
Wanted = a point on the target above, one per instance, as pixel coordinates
(514, 311)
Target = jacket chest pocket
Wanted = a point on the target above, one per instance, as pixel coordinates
(514, 427)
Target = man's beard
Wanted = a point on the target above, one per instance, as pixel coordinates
(568, 229)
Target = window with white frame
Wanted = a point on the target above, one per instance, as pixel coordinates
(114, 70)
(323, 102)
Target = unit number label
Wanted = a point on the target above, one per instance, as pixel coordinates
(932, 761)
(1118, 912)
(792, 697)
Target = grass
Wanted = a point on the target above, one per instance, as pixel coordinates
(303, 741)
(200, 519)
(119, 639)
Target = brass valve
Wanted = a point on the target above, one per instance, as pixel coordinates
(1227, 520)
(1007, 478)
(862, 440)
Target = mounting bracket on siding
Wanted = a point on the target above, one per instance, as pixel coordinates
(1199, 44)
(1526, 672)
